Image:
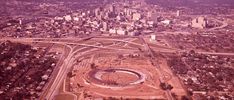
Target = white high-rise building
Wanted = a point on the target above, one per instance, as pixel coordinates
(20, 22)
(178, 13)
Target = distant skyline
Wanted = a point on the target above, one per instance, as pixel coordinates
(191, 3)
(151, 1)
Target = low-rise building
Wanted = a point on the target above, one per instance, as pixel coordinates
(68, 17)
(166, 22)
(112, 31)
(121, 32)
(134, 33)
(153, 37)
(136, 16)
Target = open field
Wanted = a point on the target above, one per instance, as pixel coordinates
(105, 75)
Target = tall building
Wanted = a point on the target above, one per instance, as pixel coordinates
(112, 8)
(177, 13)
(128, 12)
(20, 22)
(199, 22)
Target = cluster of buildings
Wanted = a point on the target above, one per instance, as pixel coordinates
(119, 18)
(24, 70)
(206, 42)
(200, 22)
(115, 19)
(205, 76)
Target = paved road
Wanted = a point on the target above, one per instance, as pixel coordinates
(157, 66)
(224, 24)
(68, 62)
(67, 66)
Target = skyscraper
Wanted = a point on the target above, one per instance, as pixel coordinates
(178, 13)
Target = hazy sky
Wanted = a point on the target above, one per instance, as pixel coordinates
(191, 2)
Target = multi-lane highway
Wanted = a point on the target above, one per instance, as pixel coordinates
(157, 66)
(71, 54)
(68, 62)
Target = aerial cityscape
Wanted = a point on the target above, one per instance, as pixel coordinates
(117, 50)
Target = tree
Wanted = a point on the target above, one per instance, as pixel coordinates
(174, 96)
(166, 86)
(69, 74)
(185, 97)
(93, 66)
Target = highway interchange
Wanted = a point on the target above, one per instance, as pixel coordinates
(73, 51)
